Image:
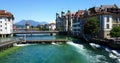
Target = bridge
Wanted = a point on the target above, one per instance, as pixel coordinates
(35, 32)
(60, 41)
(31, 29)
(7, 44)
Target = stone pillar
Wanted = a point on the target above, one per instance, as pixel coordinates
(2, 36)
(51, 34)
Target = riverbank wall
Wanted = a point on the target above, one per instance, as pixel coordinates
(109, 43)
(105, 42)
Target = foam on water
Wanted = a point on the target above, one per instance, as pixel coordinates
(77, 46)
(21, 44)
(115, 55)
(94, 45)
(107, 49)
(112, 56)
(97, 59)
(92, 58)
(54, 43)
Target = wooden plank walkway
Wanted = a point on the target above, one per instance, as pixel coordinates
(45, 41)
(7, 44)
(34, 32)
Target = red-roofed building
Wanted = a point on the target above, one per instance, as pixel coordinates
(77, 23)
(6, 23)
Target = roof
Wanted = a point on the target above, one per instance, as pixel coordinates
(69, 13)
(52, 23)
(27, 23)
(108, 6)
(103, 13)
(79, 13)
(3, 13)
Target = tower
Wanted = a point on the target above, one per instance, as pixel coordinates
(27, 25)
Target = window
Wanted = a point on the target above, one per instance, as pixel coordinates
(107, 18)
(0, 21)
(9, 19)
(0, 29)
(0, 25)
(115, 20)
(5, 27)
(107, 26)
(5, 23)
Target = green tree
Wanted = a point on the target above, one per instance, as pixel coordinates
(32, 26)
(39, 27)
(91, 26)
(115, 32)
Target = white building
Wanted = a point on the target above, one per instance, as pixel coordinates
(6, 23)
(107, 15)
(52, 26)
(107, 22)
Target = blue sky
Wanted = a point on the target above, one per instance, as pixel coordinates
(45, 10)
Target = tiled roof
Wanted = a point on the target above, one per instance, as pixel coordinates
(3, 13)
(69, 13)
(108, 6)
(79, 13)
(103, 13)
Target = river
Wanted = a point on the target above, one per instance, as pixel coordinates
(73, 51)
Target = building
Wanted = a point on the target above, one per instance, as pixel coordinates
(6, 23)
(77, 23)
(52, 26)
(46, 27)
(108, 16)
(64, 22)
(27, 25)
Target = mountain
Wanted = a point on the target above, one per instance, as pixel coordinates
(32, 22)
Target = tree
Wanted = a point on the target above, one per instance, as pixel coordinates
(39, 27)
(91, 26)
(115, 32)
(32, 26)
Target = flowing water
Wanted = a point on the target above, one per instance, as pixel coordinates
(73, 51)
